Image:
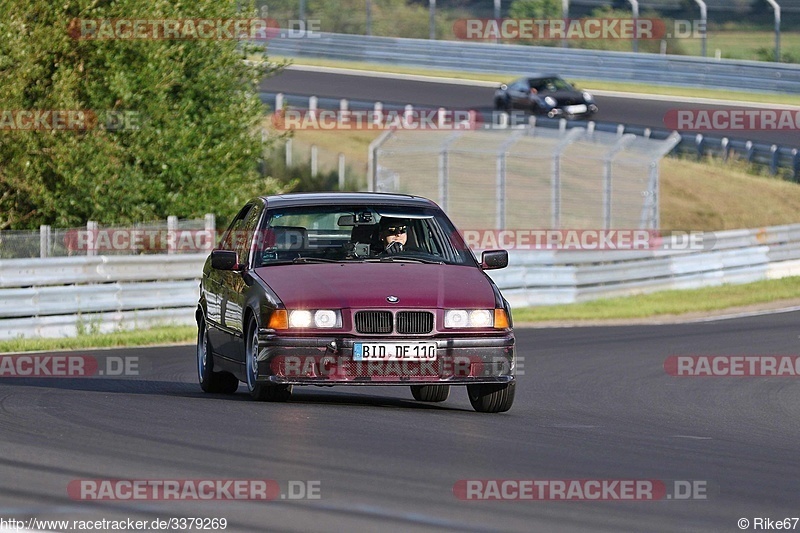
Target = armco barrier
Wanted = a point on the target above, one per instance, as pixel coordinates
(684, 71)
(737, 256)
(60, 296)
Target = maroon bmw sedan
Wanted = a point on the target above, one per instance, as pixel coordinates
(353, 289)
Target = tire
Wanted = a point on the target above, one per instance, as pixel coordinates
(491, 397)
(430, 393)
(210, 381)
(262, 392)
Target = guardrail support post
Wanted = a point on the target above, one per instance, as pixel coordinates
(288, 152)
(278, 102)
(773, 159)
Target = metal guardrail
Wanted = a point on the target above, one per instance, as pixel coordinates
(682, 71)
(57, 297)
(737, 256)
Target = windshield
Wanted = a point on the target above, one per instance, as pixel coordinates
(550, 85)
(358, 233)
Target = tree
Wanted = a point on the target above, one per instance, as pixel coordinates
(536, 9)
(190, 111)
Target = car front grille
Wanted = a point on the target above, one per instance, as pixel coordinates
(373, 322)
(414, 322)
(384, 322)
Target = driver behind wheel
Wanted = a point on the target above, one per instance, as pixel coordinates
(393, 234)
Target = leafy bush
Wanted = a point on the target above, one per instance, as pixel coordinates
(195, 102)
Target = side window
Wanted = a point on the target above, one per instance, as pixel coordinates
(234, 235)
(248, 229)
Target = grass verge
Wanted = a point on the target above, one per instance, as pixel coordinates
(678, 302)
(740, 96)
(137, 337)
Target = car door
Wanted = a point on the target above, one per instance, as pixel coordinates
(519, 94)
(218, 289)
(237, 283)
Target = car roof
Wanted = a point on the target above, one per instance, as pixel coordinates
(345, 198)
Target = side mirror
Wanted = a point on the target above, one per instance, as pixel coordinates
(493, 259)
(224, 260)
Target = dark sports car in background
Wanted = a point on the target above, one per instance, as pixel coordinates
(303, 290)
(545, 95)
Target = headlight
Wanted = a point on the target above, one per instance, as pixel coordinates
(588, 97)
(549, 100)
(473, 318)
(319, 318)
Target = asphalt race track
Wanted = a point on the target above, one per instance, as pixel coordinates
(593, 403)
(624, 110)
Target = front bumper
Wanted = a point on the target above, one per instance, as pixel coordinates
(329, 360)
(567, 111)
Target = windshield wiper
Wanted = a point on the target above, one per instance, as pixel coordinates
(392, 259)
(315, 260)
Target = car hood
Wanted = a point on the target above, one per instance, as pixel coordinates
(365, 285)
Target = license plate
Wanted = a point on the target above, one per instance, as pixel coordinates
(394, 351)
(575, 109)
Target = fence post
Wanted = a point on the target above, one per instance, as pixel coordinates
(278, 102)
(91, 237)
(312, 106)
(608, 160)
(288, 152)
(44, 241)
(313, 160)
(341, 172)
(210, 226)
(172, 233)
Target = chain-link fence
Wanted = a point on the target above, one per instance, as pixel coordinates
(527, 177)
(171, 236)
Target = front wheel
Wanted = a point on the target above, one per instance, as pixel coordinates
(210, 381)
(262, 392)
(491, 397)
(430, 393)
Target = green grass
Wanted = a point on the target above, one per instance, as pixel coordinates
(139, 337)
(667, 302)
(586, 84)
(744, 44)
